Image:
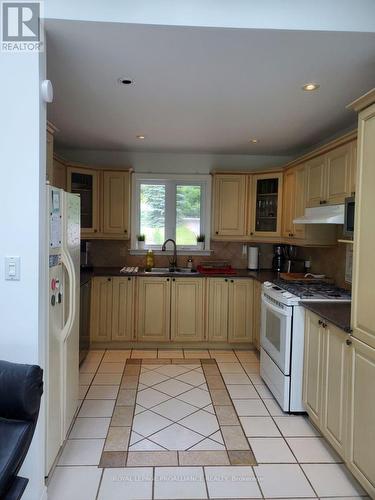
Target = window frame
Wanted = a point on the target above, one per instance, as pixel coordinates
(171, 181)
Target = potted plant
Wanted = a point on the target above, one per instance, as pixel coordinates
(141, 238)
(200, 241)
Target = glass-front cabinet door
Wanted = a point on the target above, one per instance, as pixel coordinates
(266, 209)
(85, 182)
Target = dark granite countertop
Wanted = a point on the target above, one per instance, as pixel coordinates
(337, 313)
(261, 276)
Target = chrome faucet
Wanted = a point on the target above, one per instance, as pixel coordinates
(172, 262)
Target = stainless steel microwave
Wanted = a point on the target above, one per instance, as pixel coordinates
(349, 217)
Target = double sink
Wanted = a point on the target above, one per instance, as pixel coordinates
(174, 270)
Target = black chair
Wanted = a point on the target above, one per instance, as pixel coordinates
(21, 389)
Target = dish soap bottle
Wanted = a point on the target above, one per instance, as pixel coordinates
(189, 263)
(149, 260)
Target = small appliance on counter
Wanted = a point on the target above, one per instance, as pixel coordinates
(253, 258)
(278, 261)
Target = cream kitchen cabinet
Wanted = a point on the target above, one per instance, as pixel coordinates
(266, 205)
(86, 183)
(329, 177)
(313, 367)
(105, 201)
(353, 168)
(123, 290)
(315, 181)
(230, 309)
(187, 309)
(59, 173)
(230, 201)
(217, 309)
(294, 204)
(257, 302)
(240, 311)
(153, 309)
(112, 309)
(363, 311)
(361, 435)
(101, 309)
(335, 387)
(325, 383)
(338, 174)
(115, 203)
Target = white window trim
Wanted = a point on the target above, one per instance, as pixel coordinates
(203, 180)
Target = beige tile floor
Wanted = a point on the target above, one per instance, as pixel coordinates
(294, 461)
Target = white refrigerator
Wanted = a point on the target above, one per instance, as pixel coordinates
(62, 349)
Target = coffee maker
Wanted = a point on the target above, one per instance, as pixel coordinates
(278, 261)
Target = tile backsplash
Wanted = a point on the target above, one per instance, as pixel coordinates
(324, 260)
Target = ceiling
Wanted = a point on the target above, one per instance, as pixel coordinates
(202, 89)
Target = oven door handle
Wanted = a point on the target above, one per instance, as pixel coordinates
(283, 312)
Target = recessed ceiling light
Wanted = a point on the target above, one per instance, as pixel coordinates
(124, 80)
(309, 87)
(254, 140)
(141, 137)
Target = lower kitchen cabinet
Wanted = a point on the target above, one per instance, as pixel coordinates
(257, 304)
(230, 309)
(240, 312)
(187, 309)
(112, 309)
(361, 415)
(123, 308)
(217, 309)
(153, 305)
(101, 309)
(325, 386)
(335, 387)
(313, 367)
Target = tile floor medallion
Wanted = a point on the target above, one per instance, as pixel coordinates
(174, 411)
(187, 424)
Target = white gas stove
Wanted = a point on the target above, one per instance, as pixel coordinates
(282, 335)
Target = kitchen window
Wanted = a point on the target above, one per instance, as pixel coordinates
(171, 206)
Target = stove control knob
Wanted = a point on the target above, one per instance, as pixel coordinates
(267, 284)
(287, 295)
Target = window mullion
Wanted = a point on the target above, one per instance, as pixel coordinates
(170, 210)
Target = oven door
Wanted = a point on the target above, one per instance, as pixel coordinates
(276, 332)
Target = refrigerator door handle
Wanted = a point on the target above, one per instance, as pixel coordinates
(67, 262)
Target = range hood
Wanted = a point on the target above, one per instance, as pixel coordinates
(325, 214)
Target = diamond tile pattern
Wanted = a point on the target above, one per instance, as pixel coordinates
(175, 411)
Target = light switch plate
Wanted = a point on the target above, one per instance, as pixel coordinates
(12, 268)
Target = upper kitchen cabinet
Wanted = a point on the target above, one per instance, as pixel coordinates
(363, 311)
(85, 182)
(353, 168)
(329, 177)
(230, 199)
(338, 174)
(315, 179)
(59, 173)
(266, 201)
(289, 202)
(116, 196)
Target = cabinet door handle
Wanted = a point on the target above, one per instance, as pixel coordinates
(217, 232)
(226, 279)
(231, 281)
(125, 230)
(108, 279)
(291, 234)
(95, 230)
(129, 279)
(320, 322)
(348, 342)
(173, 279)
(251, 234)
(167, 279)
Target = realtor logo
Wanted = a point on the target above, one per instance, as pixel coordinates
(21, 26)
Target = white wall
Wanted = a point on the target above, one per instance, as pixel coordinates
(186, 163)
(22, 168)
(331, 15)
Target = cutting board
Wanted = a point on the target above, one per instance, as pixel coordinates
(300, 277)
